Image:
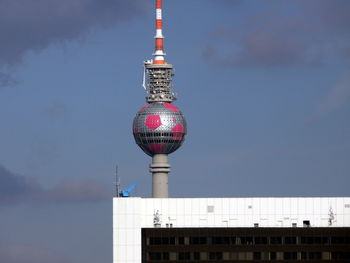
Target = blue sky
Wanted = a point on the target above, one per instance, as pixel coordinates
(264, 86)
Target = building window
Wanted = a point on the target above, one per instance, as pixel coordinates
(260, 240)
(162, 240)
(340, 240)
(275, 240)
(155, 240)
(257, 255)
(196, 255)
(290, 255)
(181, 241)
(215, 255)
(166, 256)
(221, 240)
(290, 240)
(276, 255)
(173, 256)
(315, 256)
(155, 256)
(245, 255)
(198, 240)
(184, 256)
(326, 255)
(310, 240)
(203, 256)
(246, 240)
(340, 255)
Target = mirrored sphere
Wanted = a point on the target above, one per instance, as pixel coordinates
(159, 128)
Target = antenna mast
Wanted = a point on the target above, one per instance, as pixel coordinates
(159, 52)
(117, 182)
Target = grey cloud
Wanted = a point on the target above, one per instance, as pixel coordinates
(86, 191)
(6, 80)
(331, 14)
(32, 25)
(16, 189)
(29, 254)
(317, 34)
(269, 49)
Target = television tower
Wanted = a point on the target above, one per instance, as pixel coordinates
(159, 127)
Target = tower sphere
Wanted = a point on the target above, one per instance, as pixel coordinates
(159, 128)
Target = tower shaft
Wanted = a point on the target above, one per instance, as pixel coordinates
(160, 169)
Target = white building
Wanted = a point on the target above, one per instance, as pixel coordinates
(132, 214)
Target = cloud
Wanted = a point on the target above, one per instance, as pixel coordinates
(33, 25)
(286, 33)
(16, 189)
(6, 80)
(337, 97)
(29, 254)
(86, 191)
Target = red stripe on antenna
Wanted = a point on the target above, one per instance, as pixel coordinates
(159, 43)
(159, 24)
(159, 62)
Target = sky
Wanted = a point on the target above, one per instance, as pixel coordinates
(264, 86)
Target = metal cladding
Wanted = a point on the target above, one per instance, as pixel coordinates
(159, 128)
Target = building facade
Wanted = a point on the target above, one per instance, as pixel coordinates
(231, 229)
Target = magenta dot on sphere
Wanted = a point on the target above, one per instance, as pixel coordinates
(153, 121)
(178, 130)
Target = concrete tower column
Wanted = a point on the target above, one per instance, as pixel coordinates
(160, 169)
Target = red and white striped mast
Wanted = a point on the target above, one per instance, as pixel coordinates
(159, 52)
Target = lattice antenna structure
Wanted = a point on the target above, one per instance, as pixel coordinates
(158, 82)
